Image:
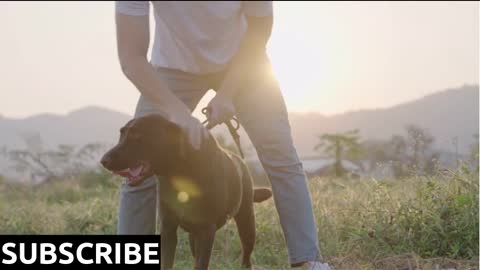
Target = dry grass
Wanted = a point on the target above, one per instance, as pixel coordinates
(417, 223)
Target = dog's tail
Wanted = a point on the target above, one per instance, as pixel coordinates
(261, 194)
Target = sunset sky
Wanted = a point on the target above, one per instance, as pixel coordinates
(330, 57)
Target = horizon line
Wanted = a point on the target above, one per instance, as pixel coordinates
(102, 107)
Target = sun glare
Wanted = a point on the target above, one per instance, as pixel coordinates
(302, 59)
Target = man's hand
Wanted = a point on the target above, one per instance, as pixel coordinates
(219, 110)
(194, 129)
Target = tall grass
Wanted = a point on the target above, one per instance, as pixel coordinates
(362, 224)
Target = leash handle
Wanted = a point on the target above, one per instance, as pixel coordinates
(205, 112)
(232, 129)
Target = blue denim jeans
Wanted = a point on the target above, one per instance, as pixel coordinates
(261, 110)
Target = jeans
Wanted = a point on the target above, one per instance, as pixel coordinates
(262, 112)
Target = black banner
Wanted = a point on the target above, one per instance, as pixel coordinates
(79, 251)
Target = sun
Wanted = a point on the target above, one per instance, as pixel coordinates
(306, 77)
(302, 61)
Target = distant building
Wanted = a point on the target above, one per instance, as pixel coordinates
(317, 166)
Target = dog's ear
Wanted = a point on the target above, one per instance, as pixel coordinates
(182, 145)
(162, 130)
(178, 137)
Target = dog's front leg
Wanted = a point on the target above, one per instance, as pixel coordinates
(168, 244)
(203, 246)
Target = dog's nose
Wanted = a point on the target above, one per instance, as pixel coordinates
(106, 161)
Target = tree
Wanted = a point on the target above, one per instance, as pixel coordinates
(55, 163)
(338, 146)
(398, 155)
(375, 152)
(418, 142)
(33, 159)
(412, 154)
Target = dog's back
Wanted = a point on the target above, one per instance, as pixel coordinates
(220, 182)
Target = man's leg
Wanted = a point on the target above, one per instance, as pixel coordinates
(138, 204)
(262, 112)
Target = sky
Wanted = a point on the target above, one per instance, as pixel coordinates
(329, 57)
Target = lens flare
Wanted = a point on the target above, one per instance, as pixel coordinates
(183, 197)
(182, 184)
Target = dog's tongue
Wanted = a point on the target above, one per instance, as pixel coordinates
(124, 173)
(136, 171)
(131, 173)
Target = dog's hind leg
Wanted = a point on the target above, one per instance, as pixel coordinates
(168, 243)
(245, 220)
(204, 239)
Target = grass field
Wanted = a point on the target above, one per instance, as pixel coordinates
(415, 223)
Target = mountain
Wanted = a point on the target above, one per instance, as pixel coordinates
(86, 125)
(446, 114)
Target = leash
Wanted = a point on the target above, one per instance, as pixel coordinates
(231, 128)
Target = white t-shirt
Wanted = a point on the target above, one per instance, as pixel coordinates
(196, 36)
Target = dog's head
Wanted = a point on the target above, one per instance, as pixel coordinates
(144, 148)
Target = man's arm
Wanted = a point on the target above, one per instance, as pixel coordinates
(132, 42)
(248, 61)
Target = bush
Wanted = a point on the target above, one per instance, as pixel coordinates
(361, 223)
(433, 217)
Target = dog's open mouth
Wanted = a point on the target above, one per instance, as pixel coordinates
(135, 175)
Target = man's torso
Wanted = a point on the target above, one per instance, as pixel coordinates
(196, 36)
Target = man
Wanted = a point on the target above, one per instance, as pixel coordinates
(222, 46)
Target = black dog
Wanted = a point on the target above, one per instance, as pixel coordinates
(199, 189)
